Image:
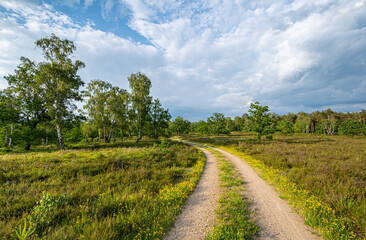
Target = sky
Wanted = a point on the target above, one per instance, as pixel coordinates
(206, 56)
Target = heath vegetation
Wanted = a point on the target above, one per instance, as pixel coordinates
(117, 193)
(330, 168)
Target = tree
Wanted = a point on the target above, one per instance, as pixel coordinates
(238, 123)
(201, 127)
(303, 122)
(118, 107)
(58, 76)
(141, 101)
(352, 127)
(329, 121)
(180, 125)
(260, 118)
(159, 120)
(217, 123)
(286, 127)
(106, 106)
(24, 85)
(96, 103)
(9, 114)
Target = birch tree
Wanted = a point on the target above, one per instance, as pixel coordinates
(58, 77)
(140, 86)
(106, 106)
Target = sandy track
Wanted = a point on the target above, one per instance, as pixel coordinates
(274, 216)
(198, 214)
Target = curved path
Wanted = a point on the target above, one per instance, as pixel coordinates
(198, 214)
(274, 217)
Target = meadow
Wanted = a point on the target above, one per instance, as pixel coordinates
(127, 191)
(331, 169)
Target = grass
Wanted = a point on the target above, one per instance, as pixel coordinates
(233, 221)
(109, 193)
(323, 176)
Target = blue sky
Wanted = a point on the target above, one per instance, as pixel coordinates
(206, 56)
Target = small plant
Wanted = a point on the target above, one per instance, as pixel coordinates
(23, 232)
(43, 212)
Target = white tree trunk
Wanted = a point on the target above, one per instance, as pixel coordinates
(59, 136)
(6, 135)
(11, 134)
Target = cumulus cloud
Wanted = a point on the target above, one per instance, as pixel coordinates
(300, 53)
(209, 56)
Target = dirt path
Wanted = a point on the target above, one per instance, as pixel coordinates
(198, 214)
(274, 217)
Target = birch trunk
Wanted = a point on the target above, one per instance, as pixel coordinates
(139, 136)
(6, 135)
(110, 132)
(59, 136)
(105, 132)
(11, 134)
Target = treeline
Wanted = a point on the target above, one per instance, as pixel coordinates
(39, 107)
(259, 120)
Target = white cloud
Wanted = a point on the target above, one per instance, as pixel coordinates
(107, 6)
(107, 56)
(209, 55)
(88, 3)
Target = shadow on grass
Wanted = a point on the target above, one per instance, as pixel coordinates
(250, 138)
(79, 146)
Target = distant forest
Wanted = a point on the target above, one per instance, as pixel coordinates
(38, 108)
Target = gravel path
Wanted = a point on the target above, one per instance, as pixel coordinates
(198, 214)
(274, 216)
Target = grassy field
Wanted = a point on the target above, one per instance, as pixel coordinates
(96, 192)
(332, 168)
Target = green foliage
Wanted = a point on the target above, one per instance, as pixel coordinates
(140, 86)
(217, 124)
(46, 91)
(106, 107)
(59, 80)
(180, 126)
(201, 127)
(260, 119)
(25, 86)
(352, 127)
(159, 121)
(23, 232)
(286, 127)
(43, 213)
